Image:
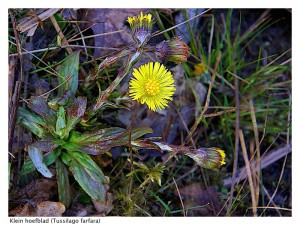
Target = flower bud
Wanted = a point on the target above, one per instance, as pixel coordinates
(141, 27)
(209, 158)
(174, 50)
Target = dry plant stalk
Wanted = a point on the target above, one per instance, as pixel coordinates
(265, 161)
(247, 164)
(198, 120)
(257, 149)
(30, 23)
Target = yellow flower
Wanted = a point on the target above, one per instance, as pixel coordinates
(199, 69)
(223, 155)
(152, 84)
(141, 27)
(140, 20)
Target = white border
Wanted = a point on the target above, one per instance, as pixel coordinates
(157, 4)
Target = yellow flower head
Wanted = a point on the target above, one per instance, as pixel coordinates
(140, 21)
(223, 155)
(209, 158)
(152, 84)
(141, 27)
(199, 69)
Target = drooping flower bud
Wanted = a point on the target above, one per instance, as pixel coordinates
(209, 158)
(174, 50)
(141, 27)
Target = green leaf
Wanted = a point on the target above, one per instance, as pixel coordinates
(48, 144)
(28, 169)
(68, 79)
(32, 127)
(31, 121)
(87, 173)
(61, 123)
(23, 113)
(64, 188)
(76, 111)
(103, 140)
(37, 158)
(40, 106)
(66, 100)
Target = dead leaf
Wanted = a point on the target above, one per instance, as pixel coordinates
(79, 210)
(104, 209)
(194, 195)
(31, 22)
(38, 190)
(42, 209)
(106, 21)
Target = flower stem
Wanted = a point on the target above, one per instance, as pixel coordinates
(105, 94)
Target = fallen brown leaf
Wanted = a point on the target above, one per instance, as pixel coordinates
(104, 209)
(38, 190)
(42, 209)
(194, 195)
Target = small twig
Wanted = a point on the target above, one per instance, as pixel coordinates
(185, 125)
(75, 35)
(83, 41)
(64, 40)
(247, 164)
(60, 34)
(236, 144)
(61, 47)
(242, 108)
(256, 136)
(198, 120)
(183, 208)
(96, 35)
(14, 102)
(48, 92)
